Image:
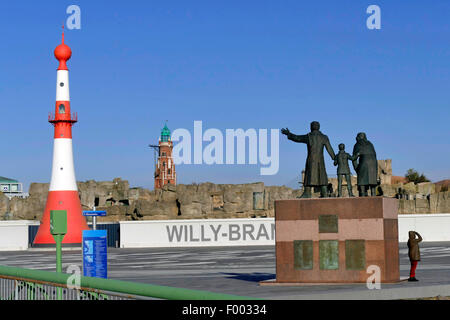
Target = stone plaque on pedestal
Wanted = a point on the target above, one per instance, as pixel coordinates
(333, 240)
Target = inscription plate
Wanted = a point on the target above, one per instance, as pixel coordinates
(355, 254)
(303, 254)
(329, 254)
(328, 223)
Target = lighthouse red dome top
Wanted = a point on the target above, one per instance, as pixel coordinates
(63, 53)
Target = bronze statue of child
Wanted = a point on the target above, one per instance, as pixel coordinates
(413, 253)
(341, 161)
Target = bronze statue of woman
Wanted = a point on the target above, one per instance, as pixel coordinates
(366, 166)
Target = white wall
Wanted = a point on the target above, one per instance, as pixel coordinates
(197, 233)
(14, 235)
(432, 227)
(231, 232)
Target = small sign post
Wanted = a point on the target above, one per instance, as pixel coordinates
(95, 242)
(94, 214)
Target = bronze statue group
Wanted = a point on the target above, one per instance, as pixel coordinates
(364, 160)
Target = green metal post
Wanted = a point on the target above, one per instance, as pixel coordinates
(58, 228)
(58, 240)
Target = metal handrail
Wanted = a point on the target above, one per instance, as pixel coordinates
(101, 285)
(67, 117)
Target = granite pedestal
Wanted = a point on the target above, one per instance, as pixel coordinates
(335, 240)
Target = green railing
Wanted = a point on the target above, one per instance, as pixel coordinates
(23, 284)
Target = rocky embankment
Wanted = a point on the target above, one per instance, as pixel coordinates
(205, 200)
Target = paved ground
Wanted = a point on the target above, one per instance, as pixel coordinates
(237, 270)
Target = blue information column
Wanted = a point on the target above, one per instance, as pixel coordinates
(95, 257)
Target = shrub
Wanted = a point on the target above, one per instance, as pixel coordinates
(413, 176)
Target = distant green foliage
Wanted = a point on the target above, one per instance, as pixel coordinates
(413, 176)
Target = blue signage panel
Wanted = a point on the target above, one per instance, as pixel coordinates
(94, 213)
(95, 258)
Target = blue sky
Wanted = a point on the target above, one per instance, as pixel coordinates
(231, 64)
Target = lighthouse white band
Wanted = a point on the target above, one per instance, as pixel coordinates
(62, 85)
(63, 172)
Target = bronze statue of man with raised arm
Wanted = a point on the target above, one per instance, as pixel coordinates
(315, 172)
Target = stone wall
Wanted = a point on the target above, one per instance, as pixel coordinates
(385, 171)
(205, 200)
(423, 197)
(435, 203)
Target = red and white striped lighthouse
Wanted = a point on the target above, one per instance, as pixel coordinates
(63, 191)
